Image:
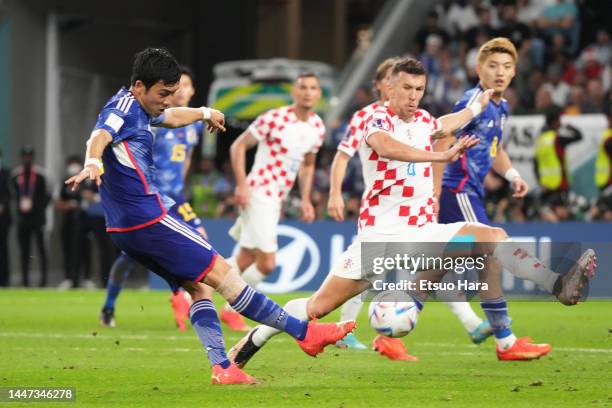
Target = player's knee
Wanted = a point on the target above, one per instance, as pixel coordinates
(266, 264)
(498, 235)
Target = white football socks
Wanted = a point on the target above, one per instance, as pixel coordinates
(466, 315)
(522, 264)
(297, 308)
(252, 275)
(506, 342)
(351, 308)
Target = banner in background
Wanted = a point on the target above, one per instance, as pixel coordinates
(308, 251)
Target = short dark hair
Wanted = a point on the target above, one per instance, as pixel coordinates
(185, 70)
(152, 65)
(409, 65)
(306, 74)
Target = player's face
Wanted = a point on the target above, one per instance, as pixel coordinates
(185, 91)
(157, 98)
(405, 93)
(496, 72)
(306, 92)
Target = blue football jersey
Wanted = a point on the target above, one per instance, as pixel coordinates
(468, 173)
(170, 152)
(129, 194)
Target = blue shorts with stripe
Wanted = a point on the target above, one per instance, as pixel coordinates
(182, 210)
(455, 207)
(170, 248)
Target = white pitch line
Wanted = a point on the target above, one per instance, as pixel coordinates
(188, 338)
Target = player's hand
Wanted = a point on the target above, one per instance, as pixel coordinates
(335, 207)
(520, 186)
(216, 121)
(458, 148)
(308, 212)
(241, 195)
(484, 98)
(91, 172)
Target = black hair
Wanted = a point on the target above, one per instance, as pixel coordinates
(409, 65)
(152, 65)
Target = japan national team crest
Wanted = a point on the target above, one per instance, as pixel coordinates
(381, 124)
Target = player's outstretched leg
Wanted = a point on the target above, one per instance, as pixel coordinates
(333, 293)
(350, 311)
(229, 316)
(568, 288)
(121, 269)
(312, 337)
(206, 324)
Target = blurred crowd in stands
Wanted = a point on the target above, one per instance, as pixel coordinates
(564, 68)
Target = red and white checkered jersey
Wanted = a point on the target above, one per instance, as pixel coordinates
(398, 194)
(283, 142)
(356, 130)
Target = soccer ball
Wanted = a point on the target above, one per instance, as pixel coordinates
(393, 318)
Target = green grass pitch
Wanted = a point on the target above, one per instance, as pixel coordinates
(53, 339)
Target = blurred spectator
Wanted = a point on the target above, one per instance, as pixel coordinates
(529, 11)
(603, 176)
(32, 198)
(5, 223)
(362, 97)
(461, 16)
(431, 26)
(543, 102)
(551, 166)
(431, 56)
(596, 98)
(204, 199)
(500, 205)
(561, 18)
(520, 34)
(93, 227)
(603, 162)
(575, 101)
(69, 204)
(471, 59)
(484, 27)
(595, 59)
(558, 89)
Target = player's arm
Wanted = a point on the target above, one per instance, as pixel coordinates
(438, 168)
(335, 204)
(503, 166)
(238, 151)
(384, 145)
(96, 144)
(454, 121)
(183, 116)
(305, 176)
